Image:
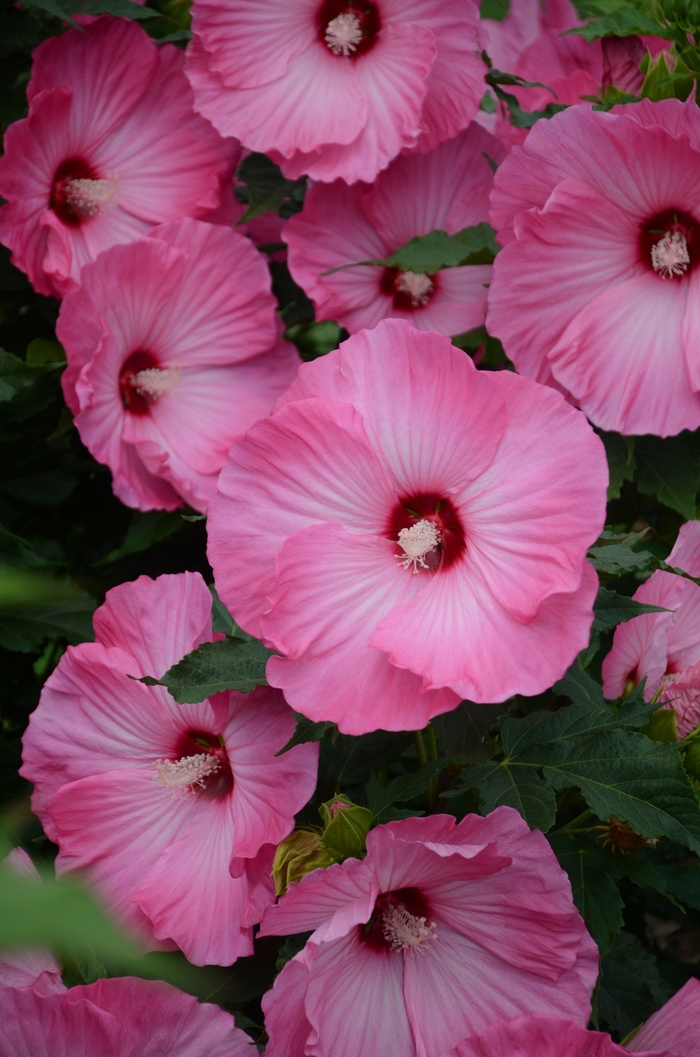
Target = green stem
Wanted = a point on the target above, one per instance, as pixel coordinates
(432, 741)
(583, 817)
(420, 747)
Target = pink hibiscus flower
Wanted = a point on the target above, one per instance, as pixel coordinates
(170, 809)
(664, 647)
(172, 354)
(549, 1037)
(596, 289)
(674, 1026)
(111, 147)
(414, 532)
(443, 929)
(447, 188)
(35, 968)
(334, 88)
(117, 1018)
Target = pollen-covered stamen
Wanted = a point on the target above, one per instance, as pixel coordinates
(187, 771)
(416, 285)
(89, 197)
(670, 255)
(406, 932)
(343, 34)
(154, 382)
(416, 542)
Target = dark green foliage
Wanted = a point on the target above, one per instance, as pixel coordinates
(612, 609)
(381, 798)
(630, 987)
(229, 664)
(595, 892)
(669, 469)
(306, 730)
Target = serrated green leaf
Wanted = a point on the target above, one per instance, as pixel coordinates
(512, 785)
(595, 892)
(461, 731)
(578, 686)
(230, 664)
(668, 468)
(615, 559)
(625, 774)
(306, 730)
(612, 609)
(630, 987)
(381, 798)
(626, 22)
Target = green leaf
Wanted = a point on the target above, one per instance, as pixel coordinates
(518, 117)
(143, 532)
(63, 9)
(682, 880)
(620, 454)
(625, 774)
(221, 620)
(306, 730)
(15, 375)
(14, 551)
(612, 609)
(267, 187)
(381, 798)
(668, 468)
(41, 352)
(615, 559)
(429, 253)
(595, 892)
(630, 987)
(660, 82)
(315, 339)
(626, 22)
(461, 732)
(230, 664)
(33, 607)
(578, 686)
(518, 787)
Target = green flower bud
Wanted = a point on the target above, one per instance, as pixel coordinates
(662, 725)
(692, 759)
(346, 827)
(298, 854)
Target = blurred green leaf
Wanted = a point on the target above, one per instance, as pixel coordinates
(625, 22)
(381, 798)
(64, 9)
(143, 532)
(668, 468)
(267, 187)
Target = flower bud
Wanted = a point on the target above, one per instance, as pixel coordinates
(298, 854)
(347, 826)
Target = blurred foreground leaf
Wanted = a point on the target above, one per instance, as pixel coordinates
(64, 9)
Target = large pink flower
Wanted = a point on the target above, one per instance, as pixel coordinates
(117, 1018)
(172, 354)
(596, 290)
(111, 147)
(170, 809)
(664, 647)
(674, 1026)
(446, 188)
(548, 1037)
(442, 930)
(413, 531)
(332, 87)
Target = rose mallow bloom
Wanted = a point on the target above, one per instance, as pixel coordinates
(441, 930)
(446, 188)
(674, 1026)
(117, 1018)
(408, 531)
(596, 290)
(336, 89)
(549, 1037)
(111, 147)
(173, 352)
(170, 810)
(664, 647)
